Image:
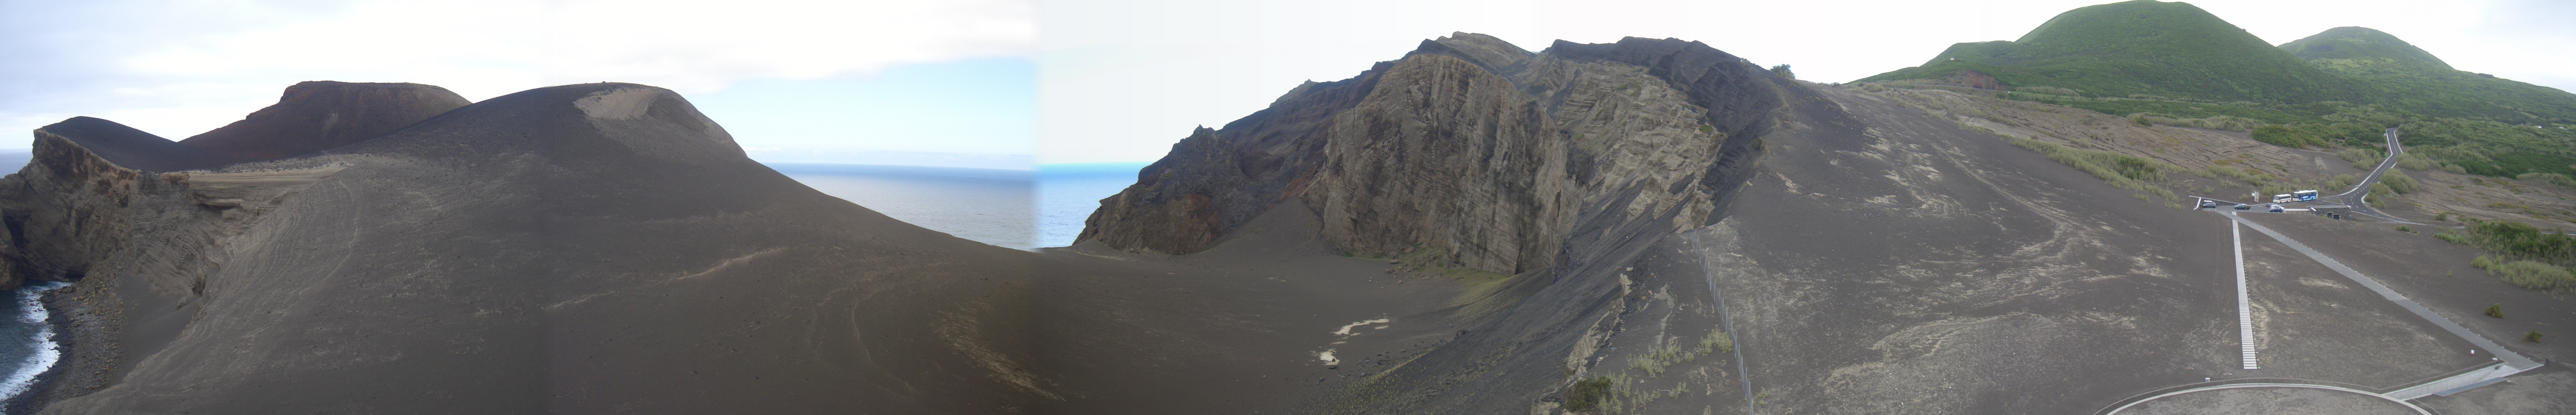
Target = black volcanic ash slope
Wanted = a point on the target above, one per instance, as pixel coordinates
(574, 249)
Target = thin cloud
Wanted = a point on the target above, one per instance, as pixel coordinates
(178, 68)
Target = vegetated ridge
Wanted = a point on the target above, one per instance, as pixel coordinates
(2176, 64)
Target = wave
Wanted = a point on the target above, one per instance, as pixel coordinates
(42, 352)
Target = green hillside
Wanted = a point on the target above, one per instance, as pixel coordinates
(2403, 76)
(2174, 63)
(2142, 47)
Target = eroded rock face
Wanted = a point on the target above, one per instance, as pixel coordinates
(1445, 154)
(1470, 145)
(1215, 180)
(320, 115)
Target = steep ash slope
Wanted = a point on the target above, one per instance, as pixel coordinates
(574, 249)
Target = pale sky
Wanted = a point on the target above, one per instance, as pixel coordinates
(868, 75)
(1067, 81)
(1120, 80)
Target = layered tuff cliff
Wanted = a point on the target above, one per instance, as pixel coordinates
(1469, 146)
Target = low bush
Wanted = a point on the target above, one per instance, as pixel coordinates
(1717, 341)
(2495, 310)
(2517, 240)
(2412, 161)
(2529, 274)
(2049, 90)
(2399, 182)
(2121, 170)
(2218, 122)
(1587, 394)
(2560, 180)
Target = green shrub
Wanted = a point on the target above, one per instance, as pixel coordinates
(2399, 182)
(2216, 122)
(2495, 310)
(1717, 341)
(1587, 394)
(2533, 336)
(2412, 161)
(2361, 158)
(2517, 240)
(2050, 90)
(2529, 274)
(2441, 217)
(2404, 229)
(2560, 180)
(2121, 170)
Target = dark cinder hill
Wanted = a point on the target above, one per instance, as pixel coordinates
(319, 115)
(586, 248)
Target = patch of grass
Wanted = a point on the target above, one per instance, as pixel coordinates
(2559, 180)
(2529, 274)
(2404, 229)
(2121, 170)
(1716, 341)
(1672, 352)
(1588, 394)
(2517, 240)
(2399, 182)
(2533, 336)
(2495, 310)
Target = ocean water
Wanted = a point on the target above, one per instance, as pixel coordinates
(1067, 193)
(994, 206)
(30, 348)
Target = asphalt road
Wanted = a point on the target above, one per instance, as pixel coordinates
(2355, 196)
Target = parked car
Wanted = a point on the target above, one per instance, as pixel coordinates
(2241, 206)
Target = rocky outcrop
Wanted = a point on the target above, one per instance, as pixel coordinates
(319, 115)
(1446, 154)
(1215, 180)
(1470, 145)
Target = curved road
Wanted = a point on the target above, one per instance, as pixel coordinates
(2355, 197)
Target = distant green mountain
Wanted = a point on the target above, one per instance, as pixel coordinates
(2403, 76)
(2361, 43)
(2175, 63)
(2141, 47)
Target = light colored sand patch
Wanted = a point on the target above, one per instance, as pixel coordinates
(618, 104)
(1346, 329)
(1327, 357)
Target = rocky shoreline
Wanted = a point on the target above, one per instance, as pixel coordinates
(86, 338)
